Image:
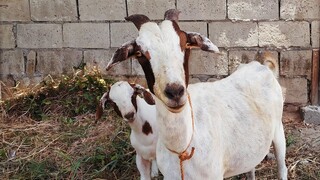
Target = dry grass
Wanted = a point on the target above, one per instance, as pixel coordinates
(49, 132)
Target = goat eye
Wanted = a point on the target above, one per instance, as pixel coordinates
(138, 54)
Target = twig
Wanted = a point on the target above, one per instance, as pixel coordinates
(22, 158)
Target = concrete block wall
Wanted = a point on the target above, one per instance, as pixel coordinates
(41, 37)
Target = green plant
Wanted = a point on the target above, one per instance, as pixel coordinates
(289, 140)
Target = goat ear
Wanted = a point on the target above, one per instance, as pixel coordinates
(99, 111)
(144, 93)
(198, 40)
(148, 98)
(101, 105)
(124, 52)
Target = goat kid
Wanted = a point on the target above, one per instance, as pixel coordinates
(140, 113)
(215, 130)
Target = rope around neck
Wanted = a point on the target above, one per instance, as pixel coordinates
(184, 154)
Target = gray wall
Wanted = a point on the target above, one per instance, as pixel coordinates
(41, 37)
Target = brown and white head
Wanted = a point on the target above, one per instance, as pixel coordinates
(122, 96)
(163, 52)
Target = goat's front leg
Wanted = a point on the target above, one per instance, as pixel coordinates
(154, 169)
(144, 167)
(279, 144)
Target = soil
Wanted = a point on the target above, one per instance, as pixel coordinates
(303, 150)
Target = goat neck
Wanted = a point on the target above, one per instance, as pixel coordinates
(175, 129)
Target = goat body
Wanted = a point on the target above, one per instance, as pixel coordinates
(231, 123)
(235, 121)
(141, 117)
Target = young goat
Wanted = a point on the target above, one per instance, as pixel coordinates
(141, 116)
(206, 130)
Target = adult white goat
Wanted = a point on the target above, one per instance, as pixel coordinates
(141, 117)
(221, 129)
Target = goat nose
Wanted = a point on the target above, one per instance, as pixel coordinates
(129, 116)
(174, 91)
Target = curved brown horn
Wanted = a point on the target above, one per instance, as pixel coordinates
(137, 19)
(172, 14)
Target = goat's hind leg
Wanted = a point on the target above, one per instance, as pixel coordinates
(251, 174)
(279, 144)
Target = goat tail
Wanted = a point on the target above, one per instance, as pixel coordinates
(267, 59)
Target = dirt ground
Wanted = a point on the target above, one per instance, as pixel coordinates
(303, 150)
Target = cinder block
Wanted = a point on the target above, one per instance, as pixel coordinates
(6, 36)
(297, 9)
(194, 80)
(238, 34)
(29, 81)
(200, 27)
(95, 10)
(122, 32)
(202, 9)
(53, 10)
(9, 81)
(100, 59)
(152, 9)
(253, 9)
(57, 62)
(296, 90)
(136, 68)
(86, 35)
(71, 58)
(12, 62)
(311, 114)
(284, 34)
(31, 63)
(134, 79)
(237, 57)
(315, 33)
(14, 10)
(296, 63)
(206, 63)
(39, 35)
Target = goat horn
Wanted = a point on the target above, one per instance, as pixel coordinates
(172, 14)
(138, 20)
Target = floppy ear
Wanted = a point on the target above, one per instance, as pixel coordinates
(144, 93)
(197, 40)
(148, 98)
(124, 52)
(101, 105)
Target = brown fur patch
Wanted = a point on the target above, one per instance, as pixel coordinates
(146, 67)
(146, 128)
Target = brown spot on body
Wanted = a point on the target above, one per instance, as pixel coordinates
(146, 128)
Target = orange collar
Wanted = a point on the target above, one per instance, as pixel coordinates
(184, 154)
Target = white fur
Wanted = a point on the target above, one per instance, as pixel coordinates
(145, 145)
(235, 119)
